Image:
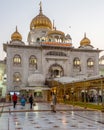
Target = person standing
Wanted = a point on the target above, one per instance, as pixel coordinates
(23, 100)
(54, 101)
(31, 101)
(14, 99)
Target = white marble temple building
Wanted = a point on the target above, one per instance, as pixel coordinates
(50, 53)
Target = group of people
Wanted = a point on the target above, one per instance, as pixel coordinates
(31, 101)
(22, 100)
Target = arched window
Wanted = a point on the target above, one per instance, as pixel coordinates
(76, 62)
(33, 61)
(49, 40)
(38, 39)
(43, 39)
(16, 77)
(90, 62)
(17, 60)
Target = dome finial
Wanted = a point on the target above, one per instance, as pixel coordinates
(40, 7)
(85, 35)
(16, 29)
(53, 25)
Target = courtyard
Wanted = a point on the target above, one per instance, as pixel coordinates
(41, 117)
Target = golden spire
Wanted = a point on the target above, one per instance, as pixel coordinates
(16, 29)
(40, 7)
(53, 25)
(85, 35)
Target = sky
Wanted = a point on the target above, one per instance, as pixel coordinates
(74, 17)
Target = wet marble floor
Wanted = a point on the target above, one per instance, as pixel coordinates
(65, 118)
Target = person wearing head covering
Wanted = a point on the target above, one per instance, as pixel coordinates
(23, 101)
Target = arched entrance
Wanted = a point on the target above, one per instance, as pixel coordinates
(56, 70)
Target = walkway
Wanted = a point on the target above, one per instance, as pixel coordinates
(41, 118)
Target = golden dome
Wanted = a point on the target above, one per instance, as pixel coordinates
(85, 41)
(41, 21)
(56, 32)
(16, 36)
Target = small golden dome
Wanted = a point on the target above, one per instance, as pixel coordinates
(56, 32)
(41, 21)
(16, 36)
(85, 41)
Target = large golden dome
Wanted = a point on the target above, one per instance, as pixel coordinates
(41, 21)
(16, 36)
(85, 41)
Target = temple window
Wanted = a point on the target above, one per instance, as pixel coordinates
(17, 60)
(76, 62)
(16, 77)
(38, 40)
(90, 62)
(33, 61)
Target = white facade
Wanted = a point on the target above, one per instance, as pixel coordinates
(50, 53)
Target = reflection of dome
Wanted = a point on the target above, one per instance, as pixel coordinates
(16, 35)
(41, 21)
(85, 41)
(36, 79)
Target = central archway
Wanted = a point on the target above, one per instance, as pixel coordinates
(56, 71)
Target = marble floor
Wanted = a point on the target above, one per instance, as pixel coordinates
(42, 118)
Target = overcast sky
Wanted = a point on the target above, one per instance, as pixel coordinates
(71, 16)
